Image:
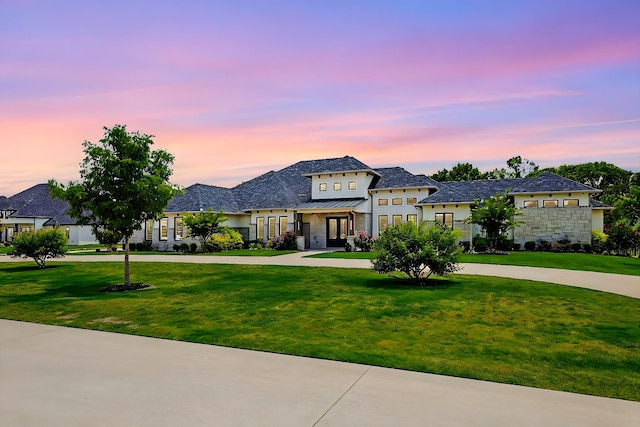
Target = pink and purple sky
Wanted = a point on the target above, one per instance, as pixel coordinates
(237, 88)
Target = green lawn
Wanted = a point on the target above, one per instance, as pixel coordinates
(495, 329)
(569, 261)
(238, 252)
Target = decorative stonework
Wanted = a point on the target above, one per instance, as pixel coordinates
(552, 224)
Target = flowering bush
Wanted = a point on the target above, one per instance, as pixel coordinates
(225, 241)
(285, 241)
(363, 241)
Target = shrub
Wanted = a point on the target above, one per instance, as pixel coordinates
(587, 248)
(561, 245)
(225, 241)
(184, 248)
(576, 247)
(347, 247)
(622, 240)
(543, 246)
(363, 241)
(284, 242)
(516, 246)
(176, 247)
(466, 246)
(598, 241)
(40, 245)
(193, 247)
(417, 251)
(480, 244)
(504, 244)
(530, 246)
(109, 238)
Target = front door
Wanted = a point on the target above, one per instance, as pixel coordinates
(337, 231)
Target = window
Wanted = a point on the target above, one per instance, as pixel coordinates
(396, 201)
(323, 186)
(272, 227)
(179, 229)
(570, 203)
(352, 185)
(383, 202)
(283, 224)
(383, 223)
(397, 219)
(530, 204)
(260, 228)
(412, 218)
(148, 233)
(164, 225)
(445, 219)
(412, 200)
(337, 186)
(550, 204)
(25, 228)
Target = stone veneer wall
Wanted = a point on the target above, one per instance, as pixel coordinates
(552, 224)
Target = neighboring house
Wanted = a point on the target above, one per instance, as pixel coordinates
(34, 209)
(325, 202)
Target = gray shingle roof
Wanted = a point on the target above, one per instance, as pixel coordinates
(330, 204)
(398, 177)
(468, 191)
(202, 196)
(37, 202)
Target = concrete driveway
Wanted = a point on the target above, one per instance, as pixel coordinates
(55, 376)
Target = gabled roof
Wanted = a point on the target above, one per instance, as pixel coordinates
(398, 177)
(36, 202)
(468, 191)
(4, 203)
(202, 197)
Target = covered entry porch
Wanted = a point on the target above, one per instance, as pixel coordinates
(330, 224)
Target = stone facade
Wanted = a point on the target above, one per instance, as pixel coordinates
(552, 224)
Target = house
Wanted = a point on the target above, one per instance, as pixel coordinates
(552, 207)
(325, 202)
(34, 209)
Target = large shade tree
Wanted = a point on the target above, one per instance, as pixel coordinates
(122, 184)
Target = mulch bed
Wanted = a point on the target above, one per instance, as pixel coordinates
(131, 287)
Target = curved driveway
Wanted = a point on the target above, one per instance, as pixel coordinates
(58, 376)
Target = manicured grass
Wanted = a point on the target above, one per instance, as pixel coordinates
(568, 261)
(495, 329)
(238, 252)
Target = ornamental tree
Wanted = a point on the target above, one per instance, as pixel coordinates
(204, 224)
(496, 215)
(122, 184)
(40, 245)
(417, 251)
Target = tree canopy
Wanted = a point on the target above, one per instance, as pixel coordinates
(203, 225)
(417, 250)
(40, 245)
(122, 184)
(496, 215)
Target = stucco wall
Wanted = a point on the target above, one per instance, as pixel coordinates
(552, 224)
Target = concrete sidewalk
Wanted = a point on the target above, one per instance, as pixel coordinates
(54, 376)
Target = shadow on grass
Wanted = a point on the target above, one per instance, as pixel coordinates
(401, 284)
(32, 267)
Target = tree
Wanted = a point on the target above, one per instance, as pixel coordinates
(204, 224)
(122, 184)
(460, 172)
(496, 216)
(40, 245)
(417, 251)
(520, 167)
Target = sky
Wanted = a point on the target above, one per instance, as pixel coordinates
(237, 88)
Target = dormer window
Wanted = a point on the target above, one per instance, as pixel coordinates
(352, 185)
(337, 186)
(323, 186)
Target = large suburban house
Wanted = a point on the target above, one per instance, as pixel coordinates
(326, 202)
(34, 209)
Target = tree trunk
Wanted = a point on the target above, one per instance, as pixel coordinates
(127, 276)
